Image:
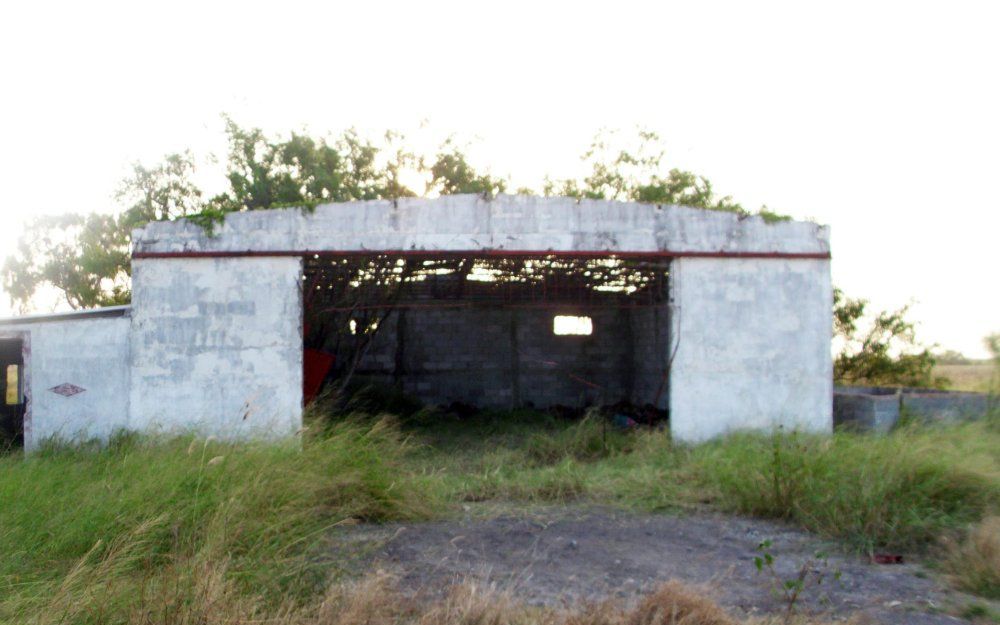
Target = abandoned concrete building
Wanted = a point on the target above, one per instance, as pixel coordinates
(722, 320)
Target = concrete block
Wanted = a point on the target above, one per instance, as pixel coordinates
(878, 409)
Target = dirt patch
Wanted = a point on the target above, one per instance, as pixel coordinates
(568, 555)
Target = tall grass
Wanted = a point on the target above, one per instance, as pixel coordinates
(198, 531)
(974, 560)
(260, 507)
(891, 492)
(899, 491)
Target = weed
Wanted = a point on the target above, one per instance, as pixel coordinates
(979, 613)
(811, 574)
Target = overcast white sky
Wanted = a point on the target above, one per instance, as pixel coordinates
(879, 118)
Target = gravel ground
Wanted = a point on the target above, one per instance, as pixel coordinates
(560, 556)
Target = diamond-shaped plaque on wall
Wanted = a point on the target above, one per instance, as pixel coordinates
(67, 390)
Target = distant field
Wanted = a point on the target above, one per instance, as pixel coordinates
(972, 376)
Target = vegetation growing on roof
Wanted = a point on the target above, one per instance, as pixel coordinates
(86, 258)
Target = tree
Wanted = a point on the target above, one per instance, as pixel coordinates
(951, 357)
(262, 172)
(161, 192)
(992, 343)
(86, 258)
(637, 174)
(882, 352)
(304, 171)
(452, 174)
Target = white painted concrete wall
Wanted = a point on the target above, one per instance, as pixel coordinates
(214, 344)
(92, 354)
(217, 346)
(754, 347)
(470, 222)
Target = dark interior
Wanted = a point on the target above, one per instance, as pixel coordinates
(478, 330)
(13, 404)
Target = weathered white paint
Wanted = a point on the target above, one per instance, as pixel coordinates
(216, 346)
(86, 351)
(470, 222)
(754, 346)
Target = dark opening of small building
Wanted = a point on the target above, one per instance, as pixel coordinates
(489, 331)
(12, 408)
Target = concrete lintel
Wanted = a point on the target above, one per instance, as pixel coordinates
(504, 223)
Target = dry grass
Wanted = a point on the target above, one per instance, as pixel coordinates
(974, 562)
(182, 532)
(974, 375)
(374, 601)
(675, 603)
(199, 591)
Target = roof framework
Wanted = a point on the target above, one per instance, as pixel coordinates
(336, 283)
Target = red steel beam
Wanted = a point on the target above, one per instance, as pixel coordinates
(485, 252)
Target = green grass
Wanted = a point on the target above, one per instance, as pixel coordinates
(259, 507)
(154, 519)
(897, 492)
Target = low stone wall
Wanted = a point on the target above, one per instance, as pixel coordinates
(878, 409)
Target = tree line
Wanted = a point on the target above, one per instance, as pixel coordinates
(86, 257)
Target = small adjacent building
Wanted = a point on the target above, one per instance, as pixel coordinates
(721, 320)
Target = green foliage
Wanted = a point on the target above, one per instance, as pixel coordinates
(635, 172)
(164, 191)
(772, 217)
(885, 352)
(451, 174)
(85, 257)
(992, 343)
(302, 171)
(638, 174)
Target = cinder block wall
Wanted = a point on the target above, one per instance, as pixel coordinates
(509, 357)
(651, 348)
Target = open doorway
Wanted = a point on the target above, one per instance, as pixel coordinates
(13, 406)
(489, 331)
